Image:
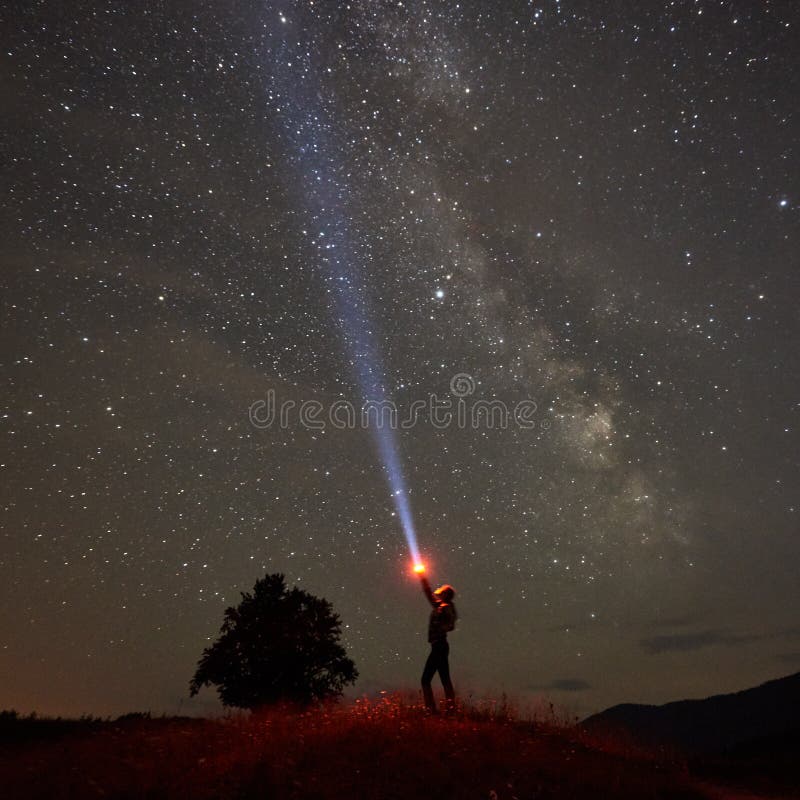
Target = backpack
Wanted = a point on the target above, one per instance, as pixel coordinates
(449, 617)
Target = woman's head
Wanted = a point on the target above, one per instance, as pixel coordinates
(446, 592)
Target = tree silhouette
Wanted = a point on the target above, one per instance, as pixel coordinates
(277, 644)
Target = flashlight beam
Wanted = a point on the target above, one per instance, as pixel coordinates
(315, 149)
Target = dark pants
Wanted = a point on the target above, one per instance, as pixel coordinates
(438, 662)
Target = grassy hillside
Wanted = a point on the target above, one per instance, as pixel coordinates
(380, 749)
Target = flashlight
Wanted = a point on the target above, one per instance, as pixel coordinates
(419, 568)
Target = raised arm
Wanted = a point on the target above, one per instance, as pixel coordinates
(426, 587)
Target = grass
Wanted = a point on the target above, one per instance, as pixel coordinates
(384, 748)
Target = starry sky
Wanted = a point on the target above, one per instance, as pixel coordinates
(588, 205)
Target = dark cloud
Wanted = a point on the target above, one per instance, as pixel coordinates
(696, 641)
(681, 621)
(685, 642)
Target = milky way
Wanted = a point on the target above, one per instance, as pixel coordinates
(589, 209)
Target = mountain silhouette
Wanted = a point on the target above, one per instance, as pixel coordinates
(722, 722)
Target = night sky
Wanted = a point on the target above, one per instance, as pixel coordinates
(590, 206)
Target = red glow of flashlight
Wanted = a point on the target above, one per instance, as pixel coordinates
(419, 568)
